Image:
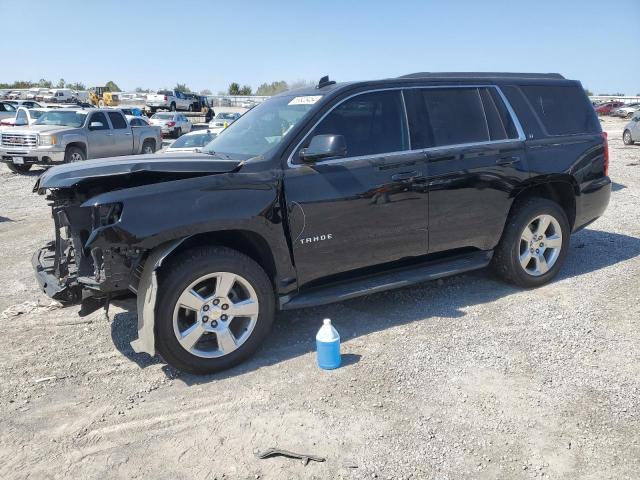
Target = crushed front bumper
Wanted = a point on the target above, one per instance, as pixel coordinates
(49, 266)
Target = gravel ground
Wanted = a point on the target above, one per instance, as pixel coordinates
(462, 378)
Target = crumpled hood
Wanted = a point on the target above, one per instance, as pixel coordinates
(181, 164)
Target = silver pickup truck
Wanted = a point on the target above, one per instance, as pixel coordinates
(66, 135)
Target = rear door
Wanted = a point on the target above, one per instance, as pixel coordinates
(476, 159)
(122, 137)
(100, 137)
(366, 209)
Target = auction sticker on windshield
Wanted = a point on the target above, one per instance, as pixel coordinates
(306, 100)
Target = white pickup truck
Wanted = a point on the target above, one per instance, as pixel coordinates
(169, 100)
(70, 135)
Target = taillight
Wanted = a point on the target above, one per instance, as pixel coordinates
(171, 124)
(165, 98)
(606, 154)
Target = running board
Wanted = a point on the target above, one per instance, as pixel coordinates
(388, 280)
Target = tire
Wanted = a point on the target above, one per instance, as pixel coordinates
(507, 255)
(181, 277)
(172, 107)
(101, 103)
(74, 154)
(190, 109)
(176, 132)
(148, 147)
(627, 139)
(19, 168)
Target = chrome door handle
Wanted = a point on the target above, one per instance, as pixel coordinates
(128, 133)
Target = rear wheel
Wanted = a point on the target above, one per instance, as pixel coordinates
(216, 307)
(172, 107)
(19, 168)
(626, 138)
(534, 243)
(74, 154)
(148, 147)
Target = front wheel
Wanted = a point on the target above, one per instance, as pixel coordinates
(534, 243)
(626, 138)
(216, 307)
(74, 154)
(24, 168)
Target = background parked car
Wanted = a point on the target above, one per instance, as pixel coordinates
(222, 121)
(607, 107)
(631, 132)
(24, 117)
(25, 103)
(626, 111)
(175, 124)
(7, 110)
(191, 142)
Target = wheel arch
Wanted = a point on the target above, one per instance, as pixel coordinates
(561, 189)
(252, 244)
(81, 145)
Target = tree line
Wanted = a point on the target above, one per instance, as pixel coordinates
(265, 89)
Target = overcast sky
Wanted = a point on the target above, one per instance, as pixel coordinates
(208, 44)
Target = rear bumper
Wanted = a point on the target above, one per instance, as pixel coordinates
(592, 202)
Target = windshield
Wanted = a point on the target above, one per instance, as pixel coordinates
(163, 116)
(263, 127)
(164, 92)
(68, 119)
(193, 141)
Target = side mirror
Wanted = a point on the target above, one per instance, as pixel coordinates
(324, 147)
(96, 125)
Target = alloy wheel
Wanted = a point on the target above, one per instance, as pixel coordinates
(540, 245)
(75, 157)
(215, 314)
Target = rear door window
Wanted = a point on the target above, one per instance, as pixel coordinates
(563, 110)
(371, 123)
(448, 116)
(117, 120)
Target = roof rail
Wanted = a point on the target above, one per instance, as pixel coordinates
(556, 76)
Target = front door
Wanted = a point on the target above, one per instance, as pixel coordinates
(366, 209)
(476, 161)
(100, 138)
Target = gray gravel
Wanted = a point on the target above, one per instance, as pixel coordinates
(464, 378)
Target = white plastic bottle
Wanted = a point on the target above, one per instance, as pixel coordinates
(328, 346)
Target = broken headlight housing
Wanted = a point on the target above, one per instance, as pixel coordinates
(107, 214)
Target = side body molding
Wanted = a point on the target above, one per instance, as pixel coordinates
(147, 294)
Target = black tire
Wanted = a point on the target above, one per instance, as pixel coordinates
(74, 154)
(19, 168)
(626, 138)
(177, 132)
(148, 145)
(190, 108)
(186, 268)
(506, 257)
(172, 107)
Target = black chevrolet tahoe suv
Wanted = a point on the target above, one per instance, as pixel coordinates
(327, 193)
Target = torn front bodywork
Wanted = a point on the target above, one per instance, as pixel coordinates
(114, 229)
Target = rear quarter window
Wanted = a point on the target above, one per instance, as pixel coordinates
(563, 110)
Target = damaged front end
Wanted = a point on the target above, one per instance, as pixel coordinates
(71, 268)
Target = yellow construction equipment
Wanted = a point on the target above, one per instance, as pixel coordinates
(103, 97)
